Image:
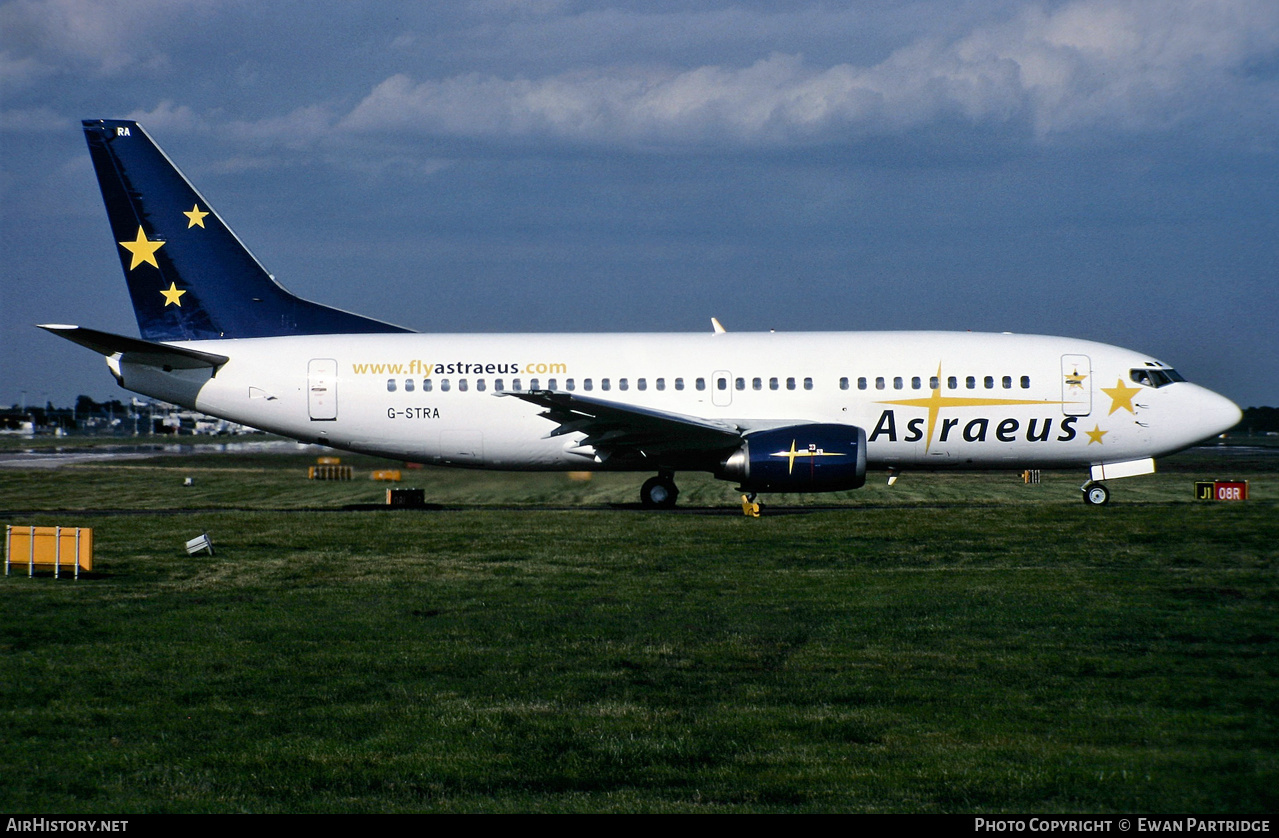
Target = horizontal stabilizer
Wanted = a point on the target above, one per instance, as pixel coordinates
(136, 351)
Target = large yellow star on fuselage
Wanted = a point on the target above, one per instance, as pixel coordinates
(937, 401)
(195, 217)
(143, 250)
(1121, 396)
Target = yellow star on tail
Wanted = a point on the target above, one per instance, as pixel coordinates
(196, 217)
(143, 250)
(172, 296)
(1121, 396)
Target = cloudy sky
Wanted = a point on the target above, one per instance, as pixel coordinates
(1107, 169)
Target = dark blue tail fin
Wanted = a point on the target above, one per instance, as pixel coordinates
(189, 275)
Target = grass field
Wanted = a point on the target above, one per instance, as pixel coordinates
(957, 643)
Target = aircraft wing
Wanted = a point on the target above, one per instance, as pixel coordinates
(628, 432)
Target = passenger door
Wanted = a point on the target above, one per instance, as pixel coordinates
(1076, 385)
(321, 389)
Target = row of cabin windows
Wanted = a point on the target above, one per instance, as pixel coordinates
(934, 383)
(721, 383)
(517, 385)
(570, 384)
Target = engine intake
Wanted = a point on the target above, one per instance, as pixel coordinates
(799, 458)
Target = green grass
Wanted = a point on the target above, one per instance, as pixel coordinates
(955, 643)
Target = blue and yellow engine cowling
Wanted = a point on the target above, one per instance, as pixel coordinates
(799, 458)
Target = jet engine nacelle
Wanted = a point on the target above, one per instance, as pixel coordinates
(799, 458)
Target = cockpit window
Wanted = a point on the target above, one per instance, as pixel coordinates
(1155, 377)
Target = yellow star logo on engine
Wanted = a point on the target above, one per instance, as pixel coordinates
(143, 250)
(1096, 434)
(195, 217)
(1121, 396)
(172, 295)
(812, 451)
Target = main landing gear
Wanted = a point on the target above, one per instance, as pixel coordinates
(1095, 494)
(659, 492)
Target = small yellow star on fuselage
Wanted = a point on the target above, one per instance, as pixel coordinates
(1096, 434)
(195, 216)
(172, 295)
(1076, 380)
(1121, 396)
(143, 250)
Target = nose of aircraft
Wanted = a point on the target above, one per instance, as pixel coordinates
(1217, 414)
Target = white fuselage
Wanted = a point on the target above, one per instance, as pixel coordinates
(925, 399)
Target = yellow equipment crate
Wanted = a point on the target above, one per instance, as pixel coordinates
(48, 548)
(328, 472)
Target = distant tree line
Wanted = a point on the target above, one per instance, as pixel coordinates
(1259, 420)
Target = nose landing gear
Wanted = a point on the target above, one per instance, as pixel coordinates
(1096, 494)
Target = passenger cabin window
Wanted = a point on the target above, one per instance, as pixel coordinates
(570, 385)
(1025, 382)
(721, 383)
(934, 383)
(515, 384)
(990, 382)
(916, 383)
(622, 384)
(390, 385)
(461, 384)
(587, 384)
(642, 384)
(773, 384)
(532, 384)
(679, 384)
(757, 384)
(550, 384)
(971, 382)
(861, 383)
(426, 385)
(661, 383)
(701, 384)
(1008, 382)
(444, 384)
(808, 383)
(604, 384)
(740, 384)
(879, 382)
(897, 382)
(408, 385)
(952, 383)
(843, 383)
(790, 384)
(497, 385)
(479, 385)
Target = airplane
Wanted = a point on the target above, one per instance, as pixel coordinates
(772, 412)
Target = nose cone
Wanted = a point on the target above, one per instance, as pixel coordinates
(1217, 414)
